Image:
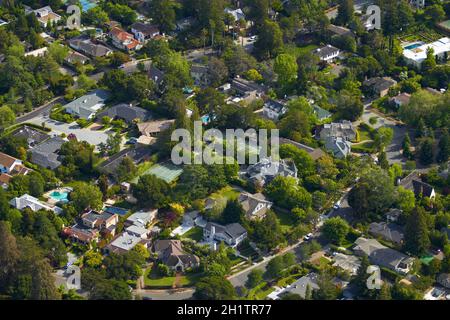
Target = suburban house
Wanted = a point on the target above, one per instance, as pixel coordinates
(400, 99)
(172, 254)
(9, 167)
(27, 201)
(74, 58)
(46, 154)
(338, 146)
(338, 31)
(102, 221)
(274, 109)
(86, 46)
(141, 218)
(267, 169)
(298, 287)
(254, 205)
(124, 40)
(414, 183)
(321, 113)
(232, 234)
(387, 231)
(157, 76)
(82, 234)
(346, 262)
(31, 135)
(199, 73)
(144, 32)
(85, 107)
(125, 242)
(314, 153)
(327, 54)
(46, 16)
(127, 112)
(378, 86)
(244, 87)
(383, 256)
(152, 128)
(91, 225)
(343, 129)
(415, 55)
(237, 14)
(393, 215)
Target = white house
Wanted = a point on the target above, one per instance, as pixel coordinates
(327, 53)
(86, 106)
(46, 15)
(274, 110)
(27, 201)
(416, 55)
(144, 32)
(232, 234)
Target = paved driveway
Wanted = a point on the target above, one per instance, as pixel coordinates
(84, 134)
(393, 151)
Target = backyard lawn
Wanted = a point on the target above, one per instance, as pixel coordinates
(153, 280)
(228, 193)
(195, 234)
(286, 219)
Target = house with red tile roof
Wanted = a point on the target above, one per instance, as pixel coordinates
(124, 40)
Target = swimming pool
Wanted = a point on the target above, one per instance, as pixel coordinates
(88, 4)
(60, 196)
(413, 45)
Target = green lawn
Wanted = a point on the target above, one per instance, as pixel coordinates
(228, 193)
(195, 234)
(286, 219)
(364, 134)
(152, 280)
(297, 51)
(366, 147)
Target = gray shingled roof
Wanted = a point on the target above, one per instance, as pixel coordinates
(126, 112)
(46, 153)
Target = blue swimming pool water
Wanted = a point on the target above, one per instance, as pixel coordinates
(60, 196)
(88, 4)
(413, 46)
(205, 119)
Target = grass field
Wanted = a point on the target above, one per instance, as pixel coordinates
(152, 280)
(195, 234)
(228, 193)
(297, 51)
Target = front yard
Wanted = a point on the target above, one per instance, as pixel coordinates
(154, 281)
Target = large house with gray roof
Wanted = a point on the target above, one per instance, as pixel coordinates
(267, 169)
(232, 234)
(172, 254)
(46, 154)
(255, 205)
(383, 256)
(86, 106)
(127, 112)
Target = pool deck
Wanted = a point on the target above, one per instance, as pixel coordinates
(50, 199)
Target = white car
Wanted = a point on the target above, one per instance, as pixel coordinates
(308, 237)
(337, 205)
(253, 38)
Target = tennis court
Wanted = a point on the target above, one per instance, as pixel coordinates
(165, 171)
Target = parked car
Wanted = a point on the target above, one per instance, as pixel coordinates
(337, 205)
(308, 237)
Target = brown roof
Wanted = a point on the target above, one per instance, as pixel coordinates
(5, 178)
(6, 160)
(152, 127)
(171, 251)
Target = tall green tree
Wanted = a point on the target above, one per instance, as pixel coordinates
(417, 240)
